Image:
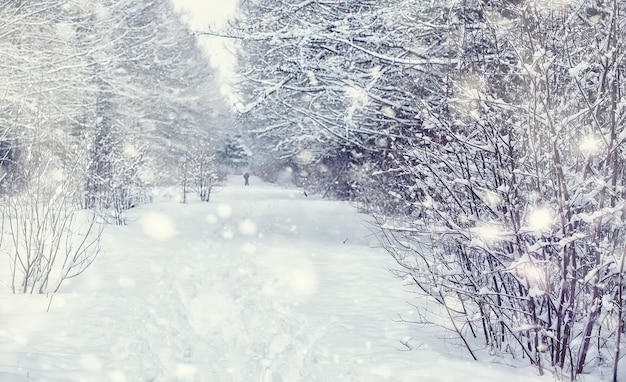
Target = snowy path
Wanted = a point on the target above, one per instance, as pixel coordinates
(261, 284)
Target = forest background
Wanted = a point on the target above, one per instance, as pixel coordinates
(486, 137)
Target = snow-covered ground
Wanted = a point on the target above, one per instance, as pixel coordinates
(262, 284)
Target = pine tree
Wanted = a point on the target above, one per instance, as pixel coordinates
(233, 154)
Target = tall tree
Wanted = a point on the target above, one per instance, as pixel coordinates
(518, 188)
(154, 95)
(312, 73)
(486, 136)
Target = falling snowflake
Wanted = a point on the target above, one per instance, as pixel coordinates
(539, 219)
(589, 145)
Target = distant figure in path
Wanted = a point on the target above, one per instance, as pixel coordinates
(246, 176)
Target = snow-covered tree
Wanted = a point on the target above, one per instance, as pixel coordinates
(233, 155)
(516, 226)
(44, 75)
(485, 136)
(199, 173)
(314, 89)
(89, 94)
(154, 93)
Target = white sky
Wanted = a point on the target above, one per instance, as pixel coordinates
(202, 13)
(205, 14)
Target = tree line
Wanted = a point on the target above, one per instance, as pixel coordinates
(100, 101)
(487, 139)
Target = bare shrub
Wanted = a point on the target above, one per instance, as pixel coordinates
(47, 239)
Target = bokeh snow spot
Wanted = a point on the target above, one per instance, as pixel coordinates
(227, 233)
(158, 226)
(242, 272)
(156, 269)
(383, 371)
(212, 219)
(210, 309)
(305, 157)
(589, 145)
(247, 227)
(90, 362)
(224, 210)
(19, 339)
(117, 376)
(59, 301)
(388, 111)
(126, 282)
(185, 370)
(248, 248)
(303, 282)
(539, 219)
